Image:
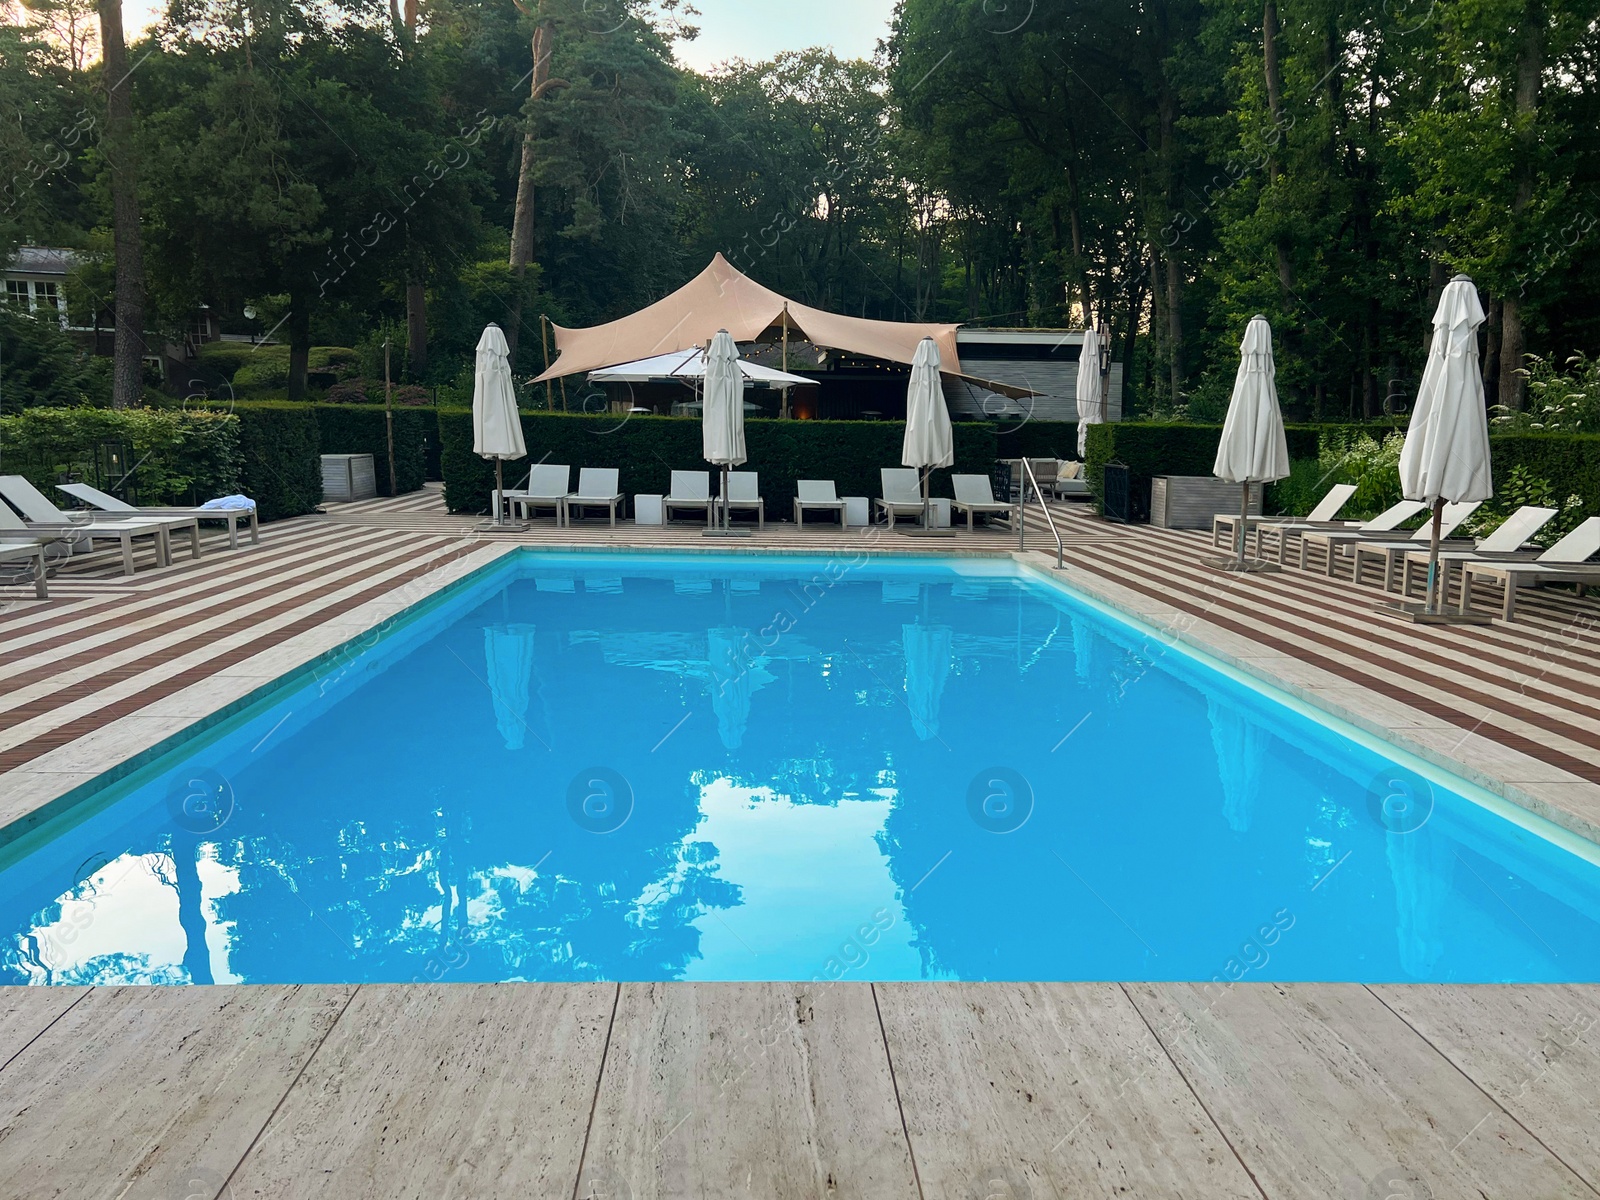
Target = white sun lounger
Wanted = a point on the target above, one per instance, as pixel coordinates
(25, 551)
(744, 494)
(902, 493)
(58, 526)
(1330, 541)
(1506, 544)
(597, 488)
(1387, 521)
(974, 495)
(816, 495)
(115, 508)
(1565, 562)
(691, 490)
(1322, 516)
(548, 486)
(1392, 552)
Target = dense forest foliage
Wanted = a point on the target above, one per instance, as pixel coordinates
(352, 171)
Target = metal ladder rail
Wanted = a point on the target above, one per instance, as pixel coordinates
(1022, 512)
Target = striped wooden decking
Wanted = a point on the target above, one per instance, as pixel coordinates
(1511, 703)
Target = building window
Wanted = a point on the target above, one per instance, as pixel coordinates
(17, 292)
(46, 295)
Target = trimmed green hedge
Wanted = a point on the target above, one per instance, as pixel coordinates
(1151, 448)
(179, 457)
(646, 450)
(282, 457)
(1569, 461)
(359, 429)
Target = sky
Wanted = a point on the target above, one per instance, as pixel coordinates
(753, 29)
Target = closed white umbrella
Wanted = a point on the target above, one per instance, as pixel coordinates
(731, 684)
(929, 441)
(927, 649)
(1091, 397)
(508, 659)
(496, 424)
(1446, 453)
(1253, 449)
(722, 419)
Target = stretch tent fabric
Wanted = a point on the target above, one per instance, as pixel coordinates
(722, 297)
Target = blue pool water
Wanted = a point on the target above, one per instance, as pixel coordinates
(632, 767)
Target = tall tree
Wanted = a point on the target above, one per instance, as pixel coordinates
(122, 161)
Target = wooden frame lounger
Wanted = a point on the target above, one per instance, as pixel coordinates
(118, 509)
(1562, 563)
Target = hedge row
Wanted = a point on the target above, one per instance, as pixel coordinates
(359, 429)
(647, 449)
(1569, 462)
(282, 468)
(177, 457)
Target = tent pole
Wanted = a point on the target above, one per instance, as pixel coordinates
(549, 388)
(785, 412)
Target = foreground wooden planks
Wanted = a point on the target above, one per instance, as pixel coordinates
(1047, 1090)
(153, 1092)
(732, 1090)
(461, 1090)
(1535, 1051)
(1325, 1092)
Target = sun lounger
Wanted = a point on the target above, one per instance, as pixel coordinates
(691, 490)
(28, 499)
(816, 495)
(1387, 521)
(1331, 541)
(597, 488)
(902, 493)
(548, 486)
(975, 494)
(28, 551)
(1565, 562)
(1225, 526)
(115, 508)
(744, 495)
(1392, 552)
(1506, 544)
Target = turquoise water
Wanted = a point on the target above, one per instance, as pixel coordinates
(634, 767)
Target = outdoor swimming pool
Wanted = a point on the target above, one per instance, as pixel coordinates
(640, 767)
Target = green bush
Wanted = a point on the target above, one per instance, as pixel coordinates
(179, 457)
(646, 450)
(282, 469)
(359, 429)
(40, 365)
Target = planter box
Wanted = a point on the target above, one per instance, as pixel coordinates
(348, 477)
(1190, 501)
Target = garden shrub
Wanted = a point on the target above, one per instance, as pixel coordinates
(281, 447)
(179, 457)
(360, 429)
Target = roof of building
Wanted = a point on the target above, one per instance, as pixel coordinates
(41, 260)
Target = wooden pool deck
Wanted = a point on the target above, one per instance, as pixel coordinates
(914, 1091)
(853, 1089)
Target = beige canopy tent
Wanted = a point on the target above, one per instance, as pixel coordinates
(721, 297)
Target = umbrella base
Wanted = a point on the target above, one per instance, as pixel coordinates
(1418, 614)
(1250, 566)
(493, 526)
(724, 533)
(940, 533)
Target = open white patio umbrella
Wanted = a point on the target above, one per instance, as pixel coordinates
(722, 420)
(1091, 398)
(1446, 454)
(508, 663)
(1253, 449)
(496, 424)
(929, 441)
